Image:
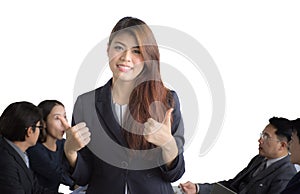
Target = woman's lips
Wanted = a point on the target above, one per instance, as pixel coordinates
(124, 68)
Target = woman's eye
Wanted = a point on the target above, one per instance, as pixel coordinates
(136, 51)
(118, 48)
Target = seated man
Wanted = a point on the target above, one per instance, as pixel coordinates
(268, 172)
(20, 126)
(293, 186)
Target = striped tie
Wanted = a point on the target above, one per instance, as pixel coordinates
(260, 168)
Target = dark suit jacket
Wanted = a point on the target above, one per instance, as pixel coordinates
(272, 180)
(293, 186)
(106, 165)
(15, 177)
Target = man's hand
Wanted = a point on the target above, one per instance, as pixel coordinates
(188, 187)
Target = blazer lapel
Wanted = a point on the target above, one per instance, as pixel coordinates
(249, 170)
(273, 167)
(105, 114)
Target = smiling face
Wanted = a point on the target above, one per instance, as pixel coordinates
(125, 59)
(54, 126)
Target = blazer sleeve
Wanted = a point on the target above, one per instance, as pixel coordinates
(178, 166)
(10, 176)
(229, 183)
(65, 176)
(207, 187)
(81, 173)
(83, 167)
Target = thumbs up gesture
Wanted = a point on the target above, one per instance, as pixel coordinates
(158, 133)
(77, 137)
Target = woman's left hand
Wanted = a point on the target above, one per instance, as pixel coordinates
(159, 133)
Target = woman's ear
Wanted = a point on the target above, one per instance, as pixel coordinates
(107, 49)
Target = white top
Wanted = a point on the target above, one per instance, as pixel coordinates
(120, 112)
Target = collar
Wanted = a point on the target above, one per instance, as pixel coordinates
(18, 150)
(272, 161)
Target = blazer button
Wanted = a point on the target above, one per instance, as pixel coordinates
(261, 184)
(124, 164)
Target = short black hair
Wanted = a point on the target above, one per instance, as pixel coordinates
(296, 126)
(17, 118)
(283, 127)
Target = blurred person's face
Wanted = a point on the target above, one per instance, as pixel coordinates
(269, 144)
(125, 60)
(294, 146)
(55, 128)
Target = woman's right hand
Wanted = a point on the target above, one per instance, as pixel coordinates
(77, 137)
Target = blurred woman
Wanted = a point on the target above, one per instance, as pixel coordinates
(47, 158)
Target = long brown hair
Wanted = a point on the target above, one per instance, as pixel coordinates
(150, 98)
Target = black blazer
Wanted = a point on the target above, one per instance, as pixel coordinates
(15, 177)
(106, 165)
(272, 180)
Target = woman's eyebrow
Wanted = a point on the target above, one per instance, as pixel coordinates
(118, 42)
(58, 114)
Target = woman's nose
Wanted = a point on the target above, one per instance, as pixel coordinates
(126, 56)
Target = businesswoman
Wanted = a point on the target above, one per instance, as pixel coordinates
(134, 121)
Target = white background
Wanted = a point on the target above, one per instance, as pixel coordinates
(255, 45)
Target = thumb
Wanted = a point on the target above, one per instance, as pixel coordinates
(64, 122)
(168, 115)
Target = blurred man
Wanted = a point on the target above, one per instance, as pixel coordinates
(268, 172)
(20, 126)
